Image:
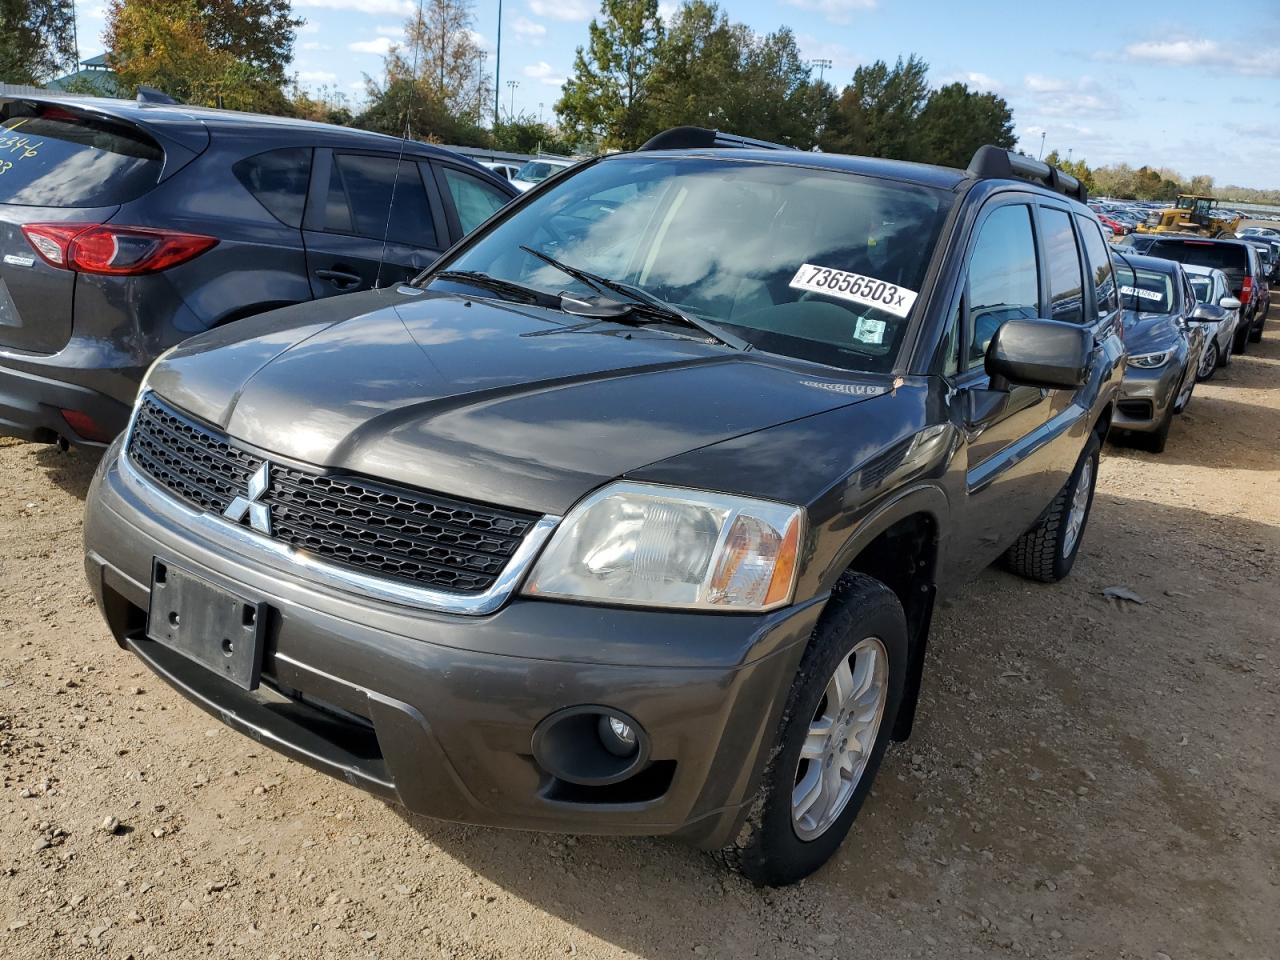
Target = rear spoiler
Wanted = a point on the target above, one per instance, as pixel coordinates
(701, 138)
(182, 136)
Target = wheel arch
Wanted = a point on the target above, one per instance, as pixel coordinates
(902, 546)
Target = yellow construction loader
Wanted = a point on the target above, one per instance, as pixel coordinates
(1192, 214)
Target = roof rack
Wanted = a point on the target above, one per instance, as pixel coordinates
(700, 138)
(993, 163)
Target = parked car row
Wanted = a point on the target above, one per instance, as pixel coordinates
(626, 514)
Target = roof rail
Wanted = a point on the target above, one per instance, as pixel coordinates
(991, 162)
(700, 138)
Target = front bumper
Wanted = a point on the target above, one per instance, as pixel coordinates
(1146, 395)
(437, 711)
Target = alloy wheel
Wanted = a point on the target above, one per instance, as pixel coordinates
(840, 738)
(1079, 508)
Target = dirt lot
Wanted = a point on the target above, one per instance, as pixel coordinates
(1087, 780)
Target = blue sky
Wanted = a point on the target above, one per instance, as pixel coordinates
(1190, 84)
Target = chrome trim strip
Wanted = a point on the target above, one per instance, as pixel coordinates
(234, 537)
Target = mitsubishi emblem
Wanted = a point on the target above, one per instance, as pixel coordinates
(259, 513)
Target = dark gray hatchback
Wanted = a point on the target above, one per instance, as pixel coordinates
(126, 227)
(630, 514)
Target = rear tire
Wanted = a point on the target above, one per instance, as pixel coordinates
(1047, 551)
(769, 849)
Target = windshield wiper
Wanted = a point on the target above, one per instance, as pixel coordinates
(478, 278)
(641, 298)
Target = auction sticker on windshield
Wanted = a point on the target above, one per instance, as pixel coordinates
(867, 291)
(1143, 294)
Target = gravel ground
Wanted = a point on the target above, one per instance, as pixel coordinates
(1088, 778)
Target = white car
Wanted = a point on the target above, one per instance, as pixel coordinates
(503, 169)
(1218, 312)
(537, 170)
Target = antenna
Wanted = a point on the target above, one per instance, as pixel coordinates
(404, 139)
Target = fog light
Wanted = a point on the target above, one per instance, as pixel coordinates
(616, 735)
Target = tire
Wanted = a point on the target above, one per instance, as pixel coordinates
(1047, 551)
(1255, 333)
(1210, 364)
(1157, 439)
(769, 850)
(1187, 383)
(1224, 357)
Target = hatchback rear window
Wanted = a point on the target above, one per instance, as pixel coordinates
(1220, 256)
(54, 157)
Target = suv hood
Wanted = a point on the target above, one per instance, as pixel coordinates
(504, 403)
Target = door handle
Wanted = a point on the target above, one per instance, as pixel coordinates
(339, 278)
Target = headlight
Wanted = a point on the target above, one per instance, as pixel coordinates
(647, 545)
(1149, 361)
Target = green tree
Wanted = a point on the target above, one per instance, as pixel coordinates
(325, 105)
(607, 98)
(165, 44)
(37, 40)
(400, 104)
(876, 114)
(1077, 168)
(440, 43)
(956, 121)
(525, 134)
(259, 33)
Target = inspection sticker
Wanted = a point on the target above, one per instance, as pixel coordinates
(1141, 294)
(867, 291)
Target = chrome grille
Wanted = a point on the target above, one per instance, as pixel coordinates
(353, 521)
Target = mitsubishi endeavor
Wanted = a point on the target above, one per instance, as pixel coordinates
(629, 515)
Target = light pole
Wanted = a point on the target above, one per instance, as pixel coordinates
(539, 112)
(822, 65)
(511, 85)
(1043, 134)
(497, 70)
(481, 57)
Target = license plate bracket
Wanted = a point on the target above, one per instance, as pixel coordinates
(216, 628)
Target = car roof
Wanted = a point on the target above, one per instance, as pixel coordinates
(946, 178)
(180, 121)
(1157, 264)
(1198, 269)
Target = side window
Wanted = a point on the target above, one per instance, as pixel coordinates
(1004, 281)
(474, 199)
(359, 200)
(1066, 282)
(1104, 278)
(278, 180)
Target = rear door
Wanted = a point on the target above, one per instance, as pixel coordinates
(469, 200)
(58, 166)
(372, 219)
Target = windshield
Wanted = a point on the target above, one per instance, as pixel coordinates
(535, 171)
(808, 263)
(1146, 291)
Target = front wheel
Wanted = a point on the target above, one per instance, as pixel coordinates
(834, 731)
(1224, 358)
(1047, 551)
(1209, 362)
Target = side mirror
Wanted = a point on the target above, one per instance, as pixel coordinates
(1229, 303)
(1039, 353)
(1208, 313)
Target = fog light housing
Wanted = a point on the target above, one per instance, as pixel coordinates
(617, 735)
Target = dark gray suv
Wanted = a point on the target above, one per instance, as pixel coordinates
(630, 514)
(127, 227)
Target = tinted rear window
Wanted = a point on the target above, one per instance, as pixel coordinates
(278, 180)
(1220, 256)
(57, 158)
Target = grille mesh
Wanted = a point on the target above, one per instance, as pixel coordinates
(374, 527)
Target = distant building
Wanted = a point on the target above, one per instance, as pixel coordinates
(94, 76)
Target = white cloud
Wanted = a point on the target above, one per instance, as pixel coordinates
(977, 81)
(568, 10)
(544, 73)
(315, 45)
(394, 32)
(667, 9)
(1205, 53)
(837, 11)
(529, 29)
(379, 45)
(372, 7)
(843, 60)
(1055, 97)
(317, 76)
(98, 12)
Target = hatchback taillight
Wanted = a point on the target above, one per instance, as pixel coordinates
(1246, 291)
(110, 249)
